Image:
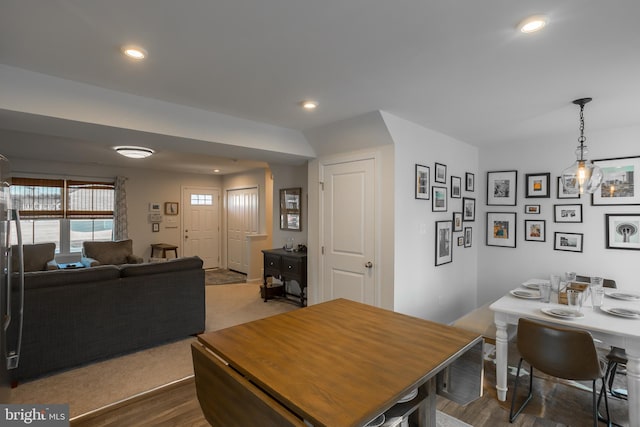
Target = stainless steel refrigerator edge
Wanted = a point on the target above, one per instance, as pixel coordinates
(11, 286)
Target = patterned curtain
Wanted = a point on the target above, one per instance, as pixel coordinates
(120, 231)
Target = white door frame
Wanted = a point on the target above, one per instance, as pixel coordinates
(377, 271)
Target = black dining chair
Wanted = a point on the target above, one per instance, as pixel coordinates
(561, 352)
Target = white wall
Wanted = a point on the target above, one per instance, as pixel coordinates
(421, 289)
(501, 269)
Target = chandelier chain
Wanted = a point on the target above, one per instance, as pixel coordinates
(582, 138)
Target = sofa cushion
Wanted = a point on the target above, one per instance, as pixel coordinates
(44, 279)
(109, 252)
(176, 264)
(36, 257)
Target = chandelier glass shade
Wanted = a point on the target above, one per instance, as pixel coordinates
(582, 176)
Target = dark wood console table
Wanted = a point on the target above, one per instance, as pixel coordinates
(284, 265)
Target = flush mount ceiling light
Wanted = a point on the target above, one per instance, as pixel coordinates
(582, 176)
(134, 152)
(134, 52)
(309, 105)
(533, 23)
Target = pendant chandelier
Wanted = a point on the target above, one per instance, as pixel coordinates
(582, 176)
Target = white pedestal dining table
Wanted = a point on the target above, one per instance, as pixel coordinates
(623, 332)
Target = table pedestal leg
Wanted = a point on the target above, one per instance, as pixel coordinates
(502, 343)
(427, 408)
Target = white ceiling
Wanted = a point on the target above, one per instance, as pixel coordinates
(455, 66)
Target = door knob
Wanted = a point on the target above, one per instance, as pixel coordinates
(368, 264)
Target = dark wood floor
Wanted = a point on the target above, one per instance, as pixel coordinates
(554, 404)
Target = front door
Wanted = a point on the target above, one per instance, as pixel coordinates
(348, 231)
(201, 224)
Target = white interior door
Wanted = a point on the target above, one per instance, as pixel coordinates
(242, 220)
(348, 231)
(201, 224)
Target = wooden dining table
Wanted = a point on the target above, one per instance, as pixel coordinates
(623, 332)
(342, 363)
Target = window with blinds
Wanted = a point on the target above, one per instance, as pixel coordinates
(38, 198)
(89, 199)
(59, 198)
(66, 212)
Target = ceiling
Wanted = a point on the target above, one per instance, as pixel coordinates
(459, 67)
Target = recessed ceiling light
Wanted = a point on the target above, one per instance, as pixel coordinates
(134, 152)
(216, 170)
(134, 52)
(309, 105)
(533, 23)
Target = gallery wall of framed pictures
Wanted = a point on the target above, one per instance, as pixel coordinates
(447, 194)
(563, 213)
(620, 187)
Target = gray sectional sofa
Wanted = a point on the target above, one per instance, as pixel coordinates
(73, 317)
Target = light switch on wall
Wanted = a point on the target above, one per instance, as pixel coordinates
(423, 228)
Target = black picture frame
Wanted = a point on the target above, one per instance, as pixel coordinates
(502, 188)
(620, 182)
(537, 185)
(468, 209)
(469, 182)
(622, 231)
(561, 194)
(444, 243)
(568, 242)
(423, 183)
(439, 199)
(501, 229)
(468, 236)
(461, 240)
(456, 187)
(567, 213)
(155, 227)
(440, 174)
(532, 209)
(457, 221)
(535, 230)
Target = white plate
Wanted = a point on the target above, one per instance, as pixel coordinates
(376, 422)
(563, 313)
(534, 283)
(524, 293)
(622, 312)
(627, 296)
(410, 396)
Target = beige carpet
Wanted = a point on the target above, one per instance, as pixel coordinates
(91, 387)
